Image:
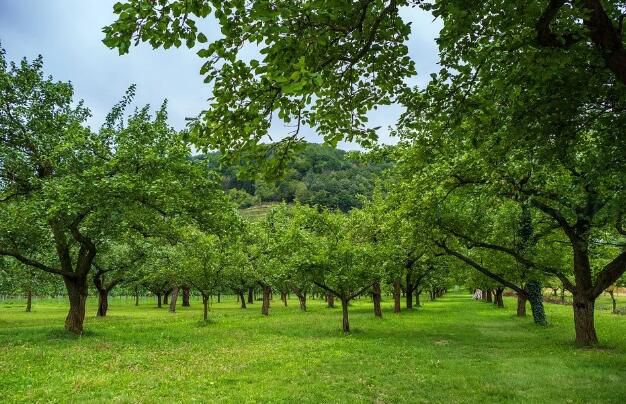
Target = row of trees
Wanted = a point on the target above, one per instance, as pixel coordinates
(74, 202)
(297, 249)
(512, 159)
(127, 205)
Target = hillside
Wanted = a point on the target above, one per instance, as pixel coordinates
(318, 175)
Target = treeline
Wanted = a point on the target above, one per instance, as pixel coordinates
(511, 157)
(317, 175)
(126, 206)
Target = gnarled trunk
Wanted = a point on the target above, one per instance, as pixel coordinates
(265, 308)
(186, 293)
(173, 300)
(535, 297)
(521, 305)
(376, 297)
(103, 302)
(344, 311)
(77, 294)
(397, 291)
(584, 320)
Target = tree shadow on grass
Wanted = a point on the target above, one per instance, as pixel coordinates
(205, 323)
(60, 334)
(39, 335)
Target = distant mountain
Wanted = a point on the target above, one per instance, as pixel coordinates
(318, 175)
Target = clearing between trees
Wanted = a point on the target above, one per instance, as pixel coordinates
(450, 350)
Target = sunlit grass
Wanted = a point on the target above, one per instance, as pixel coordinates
(452, 350)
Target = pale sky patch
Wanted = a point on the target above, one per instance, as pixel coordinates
(68, 33)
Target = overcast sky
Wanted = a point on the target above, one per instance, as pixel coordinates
(68, 35)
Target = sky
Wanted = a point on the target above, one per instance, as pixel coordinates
(68, 33)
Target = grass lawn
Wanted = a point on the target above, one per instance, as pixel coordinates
(452, 350)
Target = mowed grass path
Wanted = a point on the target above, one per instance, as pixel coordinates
(451, 350)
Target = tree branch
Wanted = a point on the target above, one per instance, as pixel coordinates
(481, 269)
(609, 274)
(35, 264)
(326, 288)
(352, 296)
(545, 36)
(519, 258)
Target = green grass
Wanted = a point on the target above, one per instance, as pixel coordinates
(452, 350)
(258, 212)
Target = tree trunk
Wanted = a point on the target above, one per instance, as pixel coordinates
(521, 305)
(302, 299)
(489, 297)
(77, 294)
(173, 300)
(344, 311)
(563, 295)
(250, 295)
(409, 298)
(29, 301)
(205, 305)
(186, 293)
(166, 297)
(584, 321)
(158, 295)
(331, 300)
(103, 302)
(376, 297)
(397, 291)
(499, 300)
(283, 297)
(219, 297)
(265, 308)
(243, 300)
(136, 297)
(535, 297)
(613, 301)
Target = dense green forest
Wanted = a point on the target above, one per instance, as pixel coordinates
(316, 175)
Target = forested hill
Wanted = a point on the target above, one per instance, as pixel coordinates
(318, 175)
